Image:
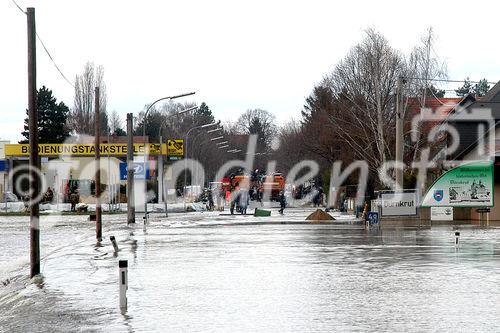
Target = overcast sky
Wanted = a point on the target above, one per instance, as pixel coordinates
(236, 55)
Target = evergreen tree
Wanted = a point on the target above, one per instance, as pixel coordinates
(204, 114)
(479, 89)
(465, 89)
(119, 132)
(52, 118)
(434, 92)
(482, 87)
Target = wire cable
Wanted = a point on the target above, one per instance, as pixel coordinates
(445, 80)
(46, 50)
(53, 62)
(15, 3)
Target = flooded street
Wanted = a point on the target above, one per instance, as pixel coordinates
(202, 272)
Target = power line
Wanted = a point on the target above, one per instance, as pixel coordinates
(53, 62)
(46, 50)
(445, 80)
(15, 3)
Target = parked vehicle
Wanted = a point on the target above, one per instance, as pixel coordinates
(192, 192)
(256, 186)
(9, 197)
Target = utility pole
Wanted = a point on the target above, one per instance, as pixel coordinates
(33, 141)
(97, 126)
(162, 189)
(399, 133)
(130, 170)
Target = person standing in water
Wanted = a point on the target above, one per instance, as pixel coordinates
(282, 200)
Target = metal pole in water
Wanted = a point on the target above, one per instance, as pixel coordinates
(130, 170)
(457, 238)
(123, 280)
(115, 245)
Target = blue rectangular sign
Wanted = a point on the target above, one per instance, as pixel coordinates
(372, 218)
(138, 170)
(4, 165)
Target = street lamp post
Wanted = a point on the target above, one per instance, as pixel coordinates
(146, 150)
(162, 192)
(211, 140)
(215, 130)
(186, 154)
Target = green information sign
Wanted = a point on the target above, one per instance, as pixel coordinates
(468, 185)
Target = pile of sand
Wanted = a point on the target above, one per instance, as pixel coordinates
(320, 215)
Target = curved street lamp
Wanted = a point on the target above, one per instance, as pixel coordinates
(186, 154)
(215, 130)
(146, 150)
(163, 193)
(194, 140)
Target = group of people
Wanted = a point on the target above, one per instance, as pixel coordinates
(241, 200)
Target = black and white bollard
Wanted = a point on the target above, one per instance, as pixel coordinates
(123, 278)
(113, 241)
(457, 238)
(145, 218)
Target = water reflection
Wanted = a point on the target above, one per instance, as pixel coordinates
(259, 278)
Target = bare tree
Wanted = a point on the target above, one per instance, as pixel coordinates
(424, 66)
(363, 84)
(81, 119)
(163, 120)
(351, 113)
(115, 122)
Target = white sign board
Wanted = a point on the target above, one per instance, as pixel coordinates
(441, 213)
(399, 204)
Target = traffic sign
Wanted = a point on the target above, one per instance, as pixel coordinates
(372, 218)
(175, 147)
(138, 171)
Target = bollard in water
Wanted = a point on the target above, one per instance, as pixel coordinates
(113, 241)
(457, 238)
(145, 218)
(123, 278)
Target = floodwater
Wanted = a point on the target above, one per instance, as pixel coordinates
(200, 272)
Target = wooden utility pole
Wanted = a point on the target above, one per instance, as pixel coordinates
(98, 211)
(130, 169)
(33, 141)
(399, 133)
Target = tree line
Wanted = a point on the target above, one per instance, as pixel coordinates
(349, 115)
